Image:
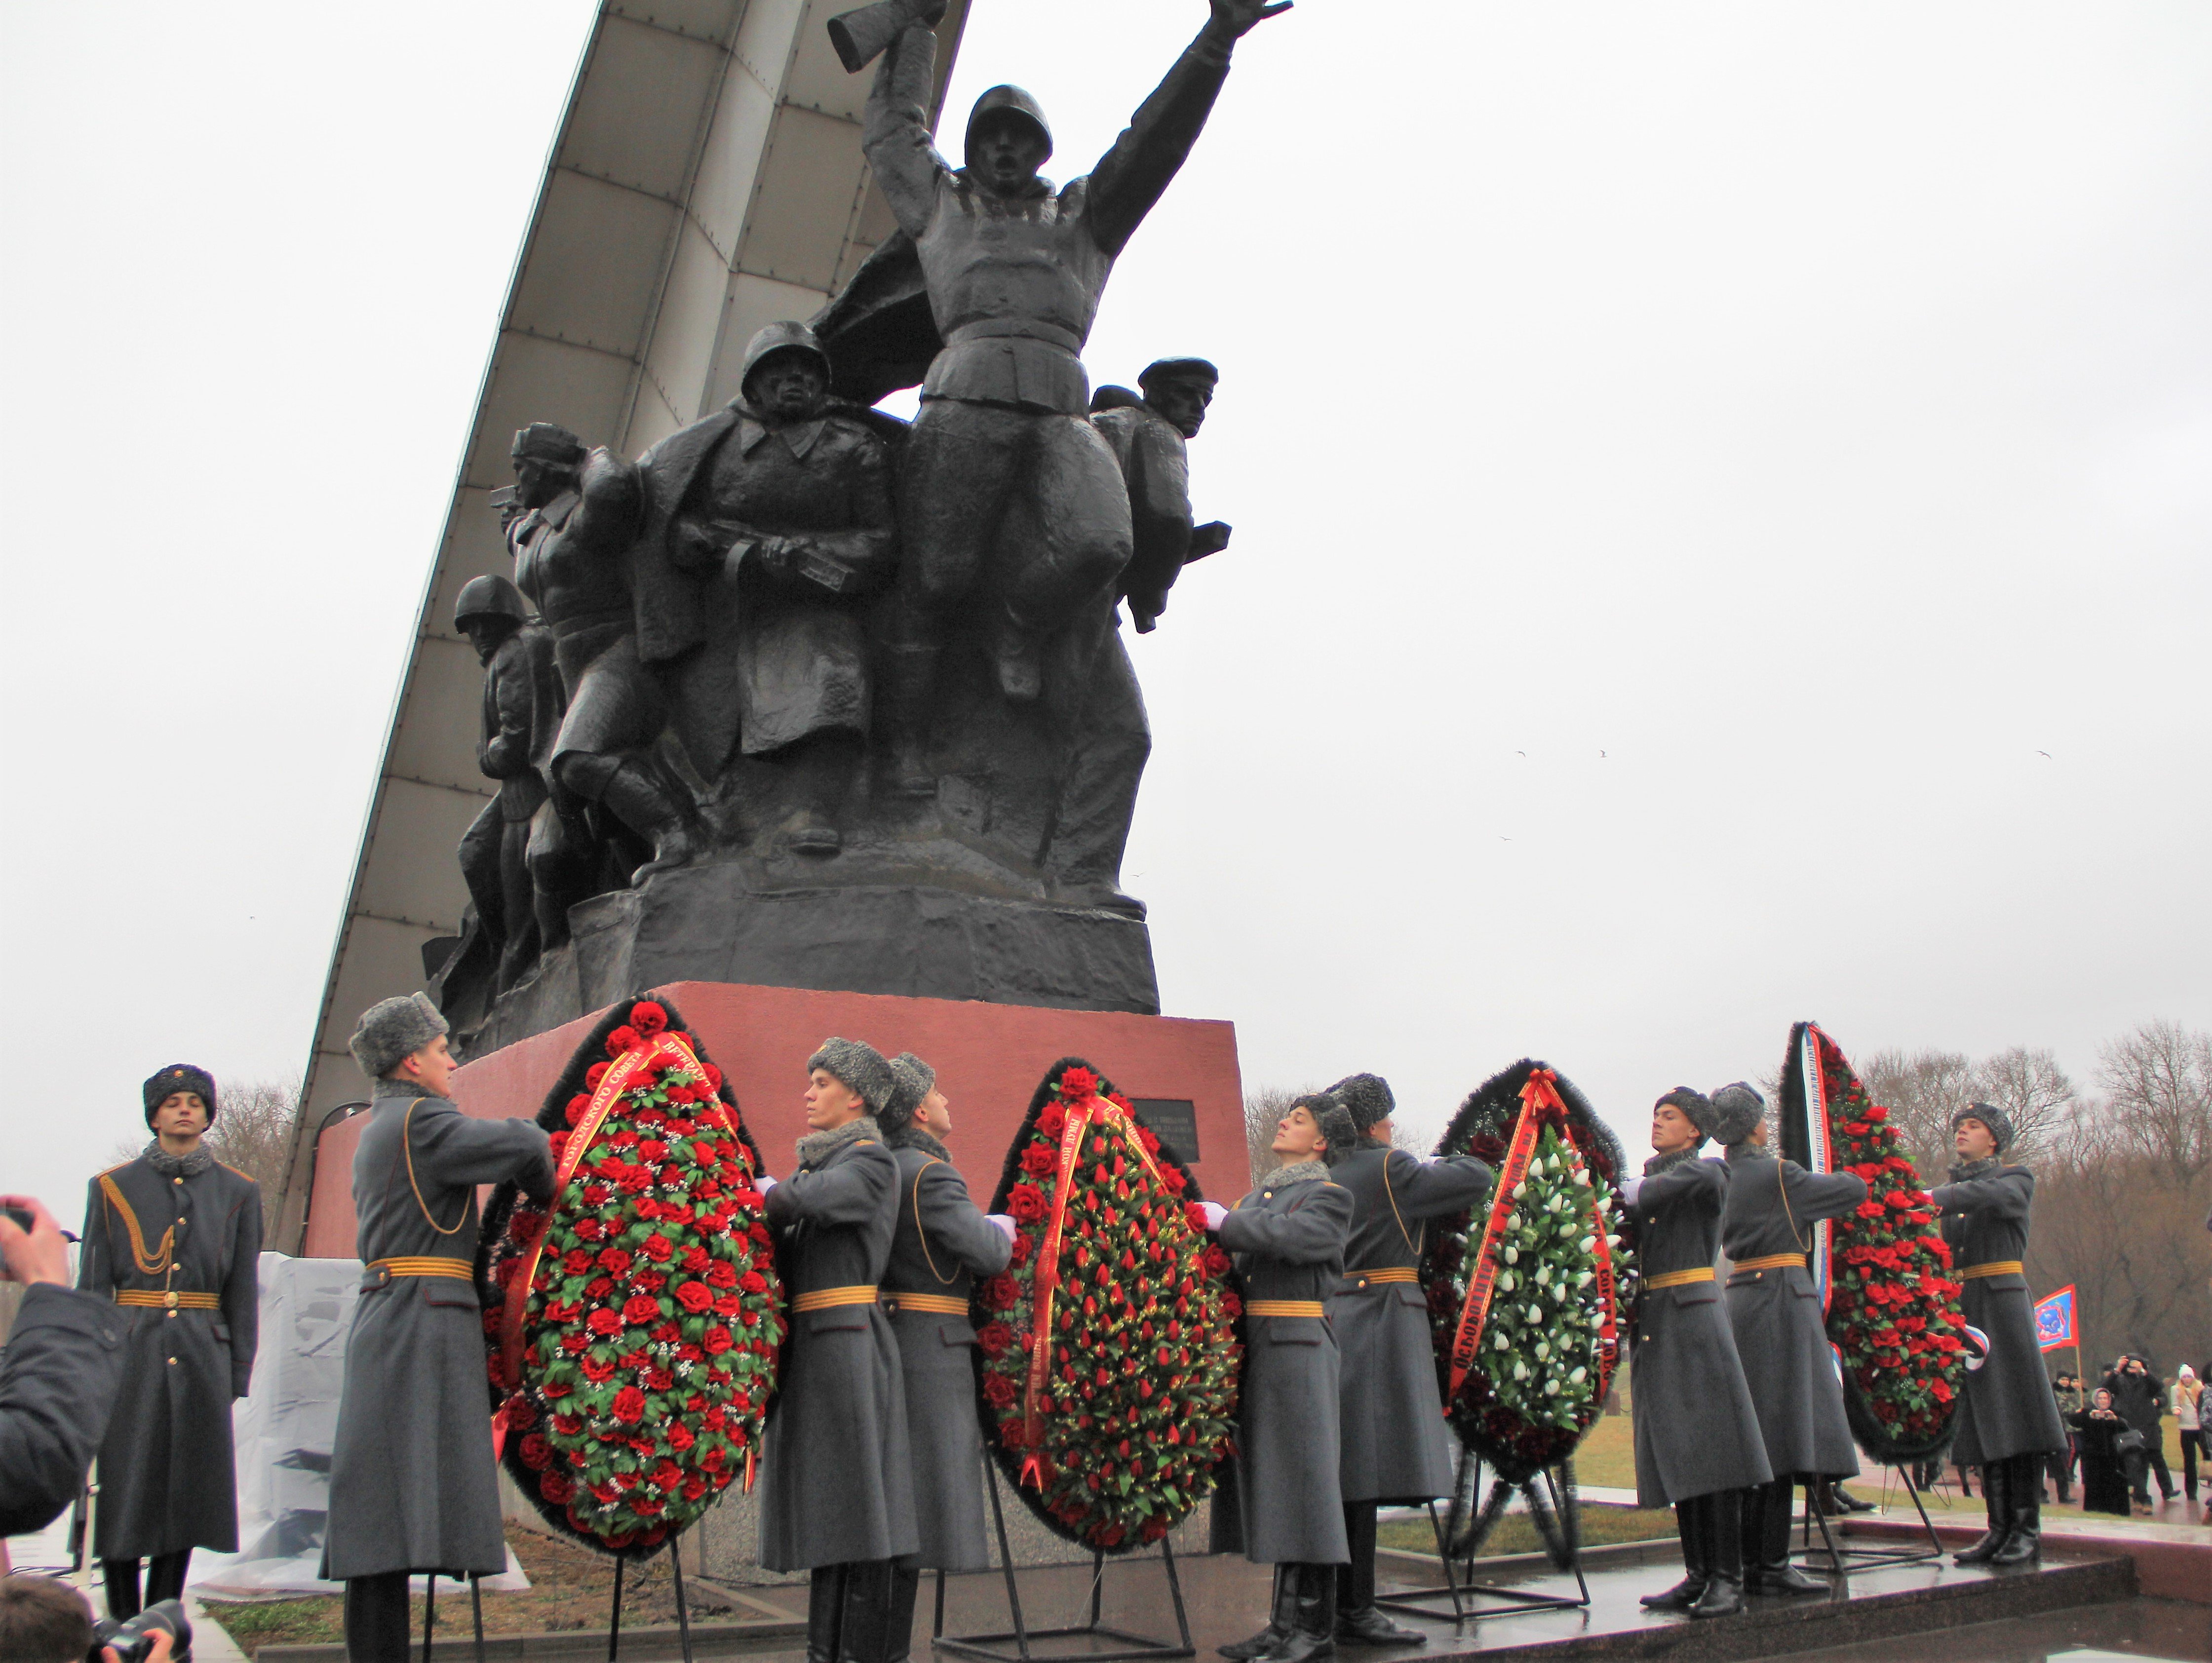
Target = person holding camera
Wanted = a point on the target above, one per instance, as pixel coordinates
(44, 1621)
(173, 1238)
(58, 1374)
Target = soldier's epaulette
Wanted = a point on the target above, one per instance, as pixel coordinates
(248, 1176)
(117, 1166)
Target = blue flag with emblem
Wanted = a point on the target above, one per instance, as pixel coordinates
(2054, 1321)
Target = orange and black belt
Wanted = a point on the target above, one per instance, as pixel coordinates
(1995, 1267)
(1773, 1261)
(941, 1304)
(150, 1299)
(822, 1299)
(1284, 1307)
(1680, 1278)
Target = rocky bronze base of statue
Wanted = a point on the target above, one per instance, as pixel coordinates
(710, 923)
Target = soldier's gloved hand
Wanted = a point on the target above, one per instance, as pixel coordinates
(1628, 1190)
(763, 1183)
(1215, 1212)
(1001, 1223)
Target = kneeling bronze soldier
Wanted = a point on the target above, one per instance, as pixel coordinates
(836, 1493)
(174, 1238)
(944, 1242)
(1288, 1239)
(1698, 1446)
(1774, 1311)
(2008, 1419)
(1395, 1450)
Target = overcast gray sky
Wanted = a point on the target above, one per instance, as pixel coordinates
(1722, 498)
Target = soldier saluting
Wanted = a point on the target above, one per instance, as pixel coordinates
(174, 1238)
(1395, 1450)
(944, 1242)
(1013, 270)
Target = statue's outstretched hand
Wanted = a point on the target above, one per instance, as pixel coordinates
(1235, 17)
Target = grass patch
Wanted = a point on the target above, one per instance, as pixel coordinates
(1516, 1532)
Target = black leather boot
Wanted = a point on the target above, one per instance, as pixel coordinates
(1358, 1622)
(1282, 1616)
(1689, 1525)
(1994, 1498)
(1844, 1500)
(898, 1622)
(2024, 1507)
(1767, 1563)
(863, 1632)
(1723, 1595)
(1312, 1638)
(825, 1606)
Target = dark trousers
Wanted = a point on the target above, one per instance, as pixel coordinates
(164, 1579)
(376, 1617)
(2190, 1440)
(2140, 1468)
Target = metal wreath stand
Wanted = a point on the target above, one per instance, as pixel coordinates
(614, 1614)
(1555, 1523)
(1830, 1560)
(992, 1647)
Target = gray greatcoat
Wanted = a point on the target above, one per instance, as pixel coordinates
(1696, 1429)
(1394, 1446)
(2006, 1408)
(413, 1484)
(1288, 1238)
(168, 1475)
(837, 1478)
(1781, 1335)
(943, 1242)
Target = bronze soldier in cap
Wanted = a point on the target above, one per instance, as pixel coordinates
(780, 507)
(581, 518)
(1148, 435)
(1288, 1238)
(1774, 1312)
(1005, 489)
(413, 1484)
(1395, 1450)
(1698, 1444)
(2007, 1420)
(174, 1239)
(836, 1493)
(944, 1242)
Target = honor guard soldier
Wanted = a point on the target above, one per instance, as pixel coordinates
(1781, 1338)
(1288, 1238)
(414, 1486)
(944, 1240)
(1396, 1451)
(836, 1493)
(1698, 1446)
(174, 1239)
(2007, 1420)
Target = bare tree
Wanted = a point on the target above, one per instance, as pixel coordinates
(2035, 1095)
(2158, 1085)
(253, 1131)
(1920, 1089)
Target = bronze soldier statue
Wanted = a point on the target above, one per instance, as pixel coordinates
(780, 508)
(522, 709)
(581, 518)
(1148, 435)
(1005, 489)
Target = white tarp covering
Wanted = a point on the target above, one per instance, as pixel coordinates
(283, 1427)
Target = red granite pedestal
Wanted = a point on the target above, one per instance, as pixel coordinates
(1180, 1073)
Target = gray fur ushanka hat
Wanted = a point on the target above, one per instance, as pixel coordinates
(393, 1029)
(179, 1076)
(1696, 1106)
(914, 1079)
(1366, 1097)
(860, 1068)
(1337, 1125)
(1737, 1107)
(1998, 1122)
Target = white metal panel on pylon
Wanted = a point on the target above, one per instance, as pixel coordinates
(706, 179)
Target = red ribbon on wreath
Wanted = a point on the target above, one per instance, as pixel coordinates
(1541, 1104)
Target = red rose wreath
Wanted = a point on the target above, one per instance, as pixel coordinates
(1893, 1312)
(1109, 1343)
(633, 1349)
